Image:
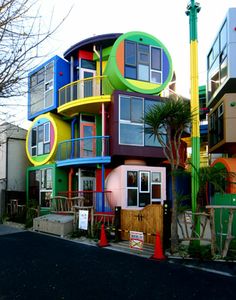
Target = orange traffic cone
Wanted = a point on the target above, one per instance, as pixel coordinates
(158, 253)
(103, 240)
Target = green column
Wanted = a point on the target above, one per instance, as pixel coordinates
(192, 10)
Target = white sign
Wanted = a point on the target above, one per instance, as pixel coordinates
(83, 219)
(136, 240)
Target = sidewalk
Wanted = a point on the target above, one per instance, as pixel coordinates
(10, 227)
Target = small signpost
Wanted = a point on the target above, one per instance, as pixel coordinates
(136, 240)
(83, 219)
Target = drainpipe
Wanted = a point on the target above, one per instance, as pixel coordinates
(103, 187)
(72, 137)
(103, 124)
(71, 69)
(71, 156)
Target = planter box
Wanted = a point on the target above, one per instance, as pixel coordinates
(54, 224)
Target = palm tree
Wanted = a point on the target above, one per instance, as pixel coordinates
(167, 122)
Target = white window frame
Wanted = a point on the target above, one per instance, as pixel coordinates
(132, 188)
(220, 109)
(158, 181)
(154, 70)
(147, 175)
(44, 130)
(129, 122)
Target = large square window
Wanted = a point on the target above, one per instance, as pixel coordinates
(132, 110)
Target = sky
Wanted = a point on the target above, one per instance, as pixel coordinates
(166, 20)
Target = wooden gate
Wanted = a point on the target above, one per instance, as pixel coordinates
(148, 220)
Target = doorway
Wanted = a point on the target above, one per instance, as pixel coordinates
(87, 83)
(87, 185)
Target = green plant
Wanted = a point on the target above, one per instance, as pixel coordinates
(202, 252)
(231, 255)
(4, 218)
(183, 251)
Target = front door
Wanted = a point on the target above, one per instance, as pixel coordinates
(147, 220)
(87, 184)
(87, 84)
(88, 141)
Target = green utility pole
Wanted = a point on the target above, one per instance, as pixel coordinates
(193, 9)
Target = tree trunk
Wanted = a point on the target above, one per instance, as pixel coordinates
(174, 226)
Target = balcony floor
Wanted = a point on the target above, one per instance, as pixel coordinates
(84, 161)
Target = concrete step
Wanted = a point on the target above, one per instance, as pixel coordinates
(124, 246)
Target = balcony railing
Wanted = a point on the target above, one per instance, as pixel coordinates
(88, 87)
(88, 147)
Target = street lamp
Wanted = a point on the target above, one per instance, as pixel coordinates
(193, 9)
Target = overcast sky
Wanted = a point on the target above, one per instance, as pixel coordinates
(165, 19)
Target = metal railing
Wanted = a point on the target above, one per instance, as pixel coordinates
(88, 147)
(88, 87)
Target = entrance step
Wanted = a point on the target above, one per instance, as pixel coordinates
(124, 246)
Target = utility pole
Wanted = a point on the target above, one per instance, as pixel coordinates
(193, 9)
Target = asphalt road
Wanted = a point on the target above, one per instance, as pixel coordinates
(36, 266)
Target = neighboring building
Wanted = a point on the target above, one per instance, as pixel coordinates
(87, 134)
(13, 162)
(204, 158)
(221, 95)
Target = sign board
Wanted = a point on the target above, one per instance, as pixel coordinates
(136, 240)
(83, 219)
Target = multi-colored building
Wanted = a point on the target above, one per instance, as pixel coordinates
(221, 96)
(87, 134)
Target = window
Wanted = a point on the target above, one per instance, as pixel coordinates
(40, 186)
(156, 186)
(34, 142)
(40, 139)
(41, 88)
(130, 53)
(216, 126)
(156, 63)
(144, 182)
(131, 123)
(223, 36)
(220, 110)
(88, 64)
(143, 187)
(132, 188)
(143, 62)
(217, 62)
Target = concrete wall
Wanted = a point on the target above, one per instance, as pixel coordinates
(16, 165)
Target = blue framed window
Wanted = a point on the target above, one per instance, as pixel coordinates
(41, 88)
